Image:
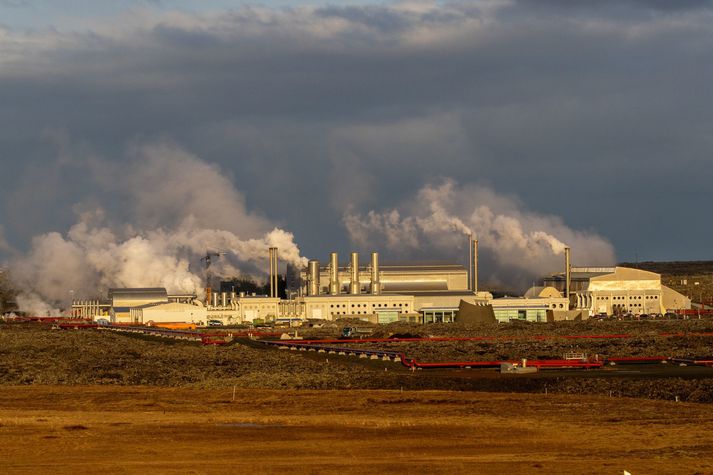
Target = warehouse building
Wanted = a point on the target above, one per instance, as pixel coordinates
(618, 290)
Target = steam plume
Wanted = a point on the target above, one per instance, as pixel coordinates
(183, 207)
(518, 245)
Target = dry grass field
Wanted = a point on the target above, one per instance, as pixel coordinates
(104, 429)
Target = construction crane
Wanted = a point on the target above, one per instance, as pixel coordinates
(207, 259)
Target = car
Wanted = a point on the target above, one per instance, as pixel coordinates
(215, 323)
(102, 321)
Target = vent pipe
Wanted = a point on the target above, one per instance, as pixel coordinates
(375, 281)
(333, 274)
(313, 278)
(354, 286)
(474, 266)
(567, 273)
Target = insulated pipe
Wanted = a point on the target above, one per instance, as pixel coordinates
(567, 273)
(354, 287)
(375, 281)
(313, 278)
(474, 264)
(333, 274)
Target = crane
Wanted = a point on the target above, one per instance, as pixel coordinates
(207, 259)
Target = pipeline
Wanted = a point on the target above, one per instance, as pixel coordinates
(415, 364)
(318, 345)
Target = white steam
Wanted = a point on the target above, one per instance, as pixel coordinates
(181, 208)
(517, 245)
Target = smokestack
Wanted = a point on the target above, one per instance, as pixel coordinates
(273, 272)
(354, 287)
(333, 274)
(214, 297)
(276, 274)
(567, 273)
(474, 266)
(375, 281)
(470, 262)
(313, 278)
(224, 299)
(270, 252)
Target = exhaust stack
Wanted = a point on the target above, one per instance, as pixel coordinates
(567, 273)
(354, 286)
(375, 281)
(470, 262)
(333, 274)
(313, 278)
(474, 266)
(273, 272)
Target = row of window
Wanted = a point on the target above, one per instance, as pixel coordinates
(359, 305)
(632, 297)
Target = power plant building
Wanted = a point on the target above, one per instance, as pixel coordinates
(412, 292)
(619, 290)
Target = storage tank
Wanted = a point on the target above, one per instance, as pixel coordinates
(354, 286)
(375, 281)
(313, 278)
(333, 274)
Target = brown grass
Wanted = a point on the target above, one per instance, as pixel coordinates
(172, 430)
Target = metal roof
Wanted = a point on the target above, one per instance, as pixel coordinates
(399, 286)
(149, 293)
(137, 290)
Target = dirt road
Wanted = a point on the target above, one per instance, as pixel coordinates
(112, 429)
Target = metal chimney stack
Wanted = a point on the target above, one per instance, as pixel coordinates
(313, 278)
(333, 274)
(567, 272)
(273, 272)
(470, 262)
(474, 266)
(354, 286)
(375, 281)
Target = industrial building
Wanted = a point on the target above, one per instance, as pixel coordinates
(420, 292)
(618, 290)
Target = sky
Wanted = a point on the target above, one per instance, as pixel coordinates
(355, 124)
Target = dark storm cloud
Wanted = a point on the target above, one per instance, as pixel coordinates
(580, 110)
